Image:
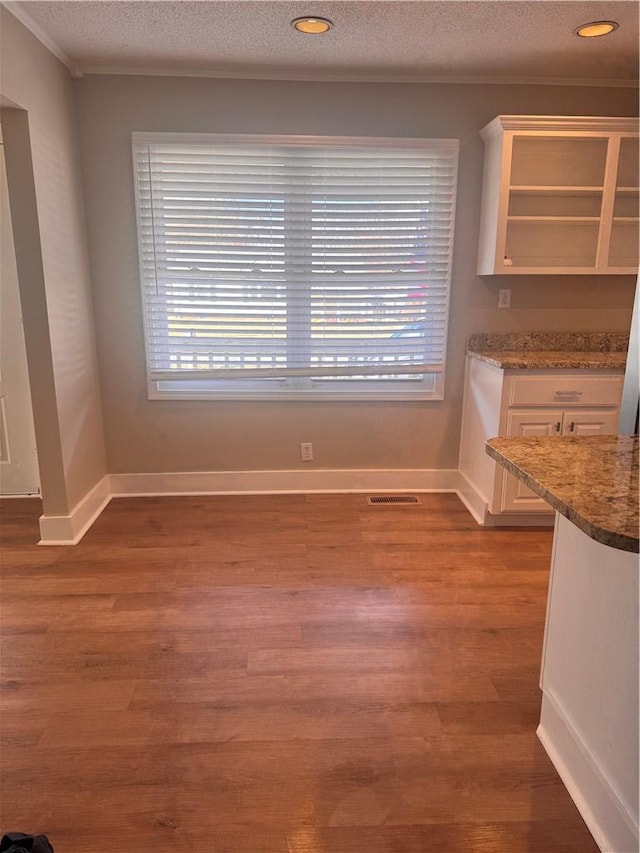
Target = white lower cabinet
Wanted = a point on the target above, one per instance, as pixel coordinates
(514, 495)
(526, 403)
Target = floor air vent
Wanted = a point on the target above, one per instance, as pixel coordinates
(393, 499)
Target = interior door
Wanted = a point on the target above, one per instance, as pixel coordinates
(18, 459)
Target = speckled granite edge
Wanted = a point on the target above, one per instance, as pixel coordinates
(552, 359)
(549, 341)
(614, 524)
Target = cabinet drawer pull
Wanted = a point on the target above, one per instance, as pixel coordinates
(569, 393)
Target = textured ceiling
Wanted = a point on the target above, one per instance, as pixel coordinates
(370, 40)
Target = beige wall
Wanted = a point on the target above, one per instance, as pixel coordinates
(51, 253)
(144, 435)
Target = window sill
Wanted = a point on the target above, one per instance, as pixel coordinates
(430, 389)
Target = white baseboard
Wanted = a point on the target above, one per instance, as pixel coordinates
(478, 506)
(284, 482)
(69, 529)
(608, 819)
(472, 499)
(525, 519)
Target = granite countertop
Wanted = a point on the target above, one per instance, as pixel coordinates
(592, 480)
(551, 350)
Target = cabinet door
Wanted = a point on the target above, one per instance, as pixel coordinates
(514, 495)
(590, 422)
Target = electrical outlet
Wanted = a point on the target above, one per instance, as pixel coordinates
(306, 451)
(504, 298)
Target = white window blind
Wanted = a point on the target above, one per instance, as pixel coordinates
(294, 266)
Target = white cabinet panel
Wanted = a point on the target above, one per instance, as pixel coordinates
(532, 423)
(590, 422)
(514, 495)
(565, 391)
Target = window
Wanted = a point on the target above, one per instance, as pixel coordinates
(293, 267)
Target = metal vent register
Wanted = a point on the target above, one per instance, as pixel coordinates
(393, 499)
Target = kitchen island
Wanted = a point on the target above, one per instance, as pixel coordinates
(589, 679)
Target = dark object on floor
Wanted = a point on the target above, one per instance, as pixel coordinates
(18, 842)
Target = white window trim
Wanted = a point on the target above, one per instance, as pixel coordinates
(255, 390)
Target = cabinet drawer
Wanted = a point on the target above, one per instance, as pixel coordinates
(564, 391)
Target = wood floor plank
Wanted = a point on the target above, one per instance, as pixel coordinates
(504, 717)
(197, 723)
(278, 674)
(514, 836)
(65, 695)
(234, 686)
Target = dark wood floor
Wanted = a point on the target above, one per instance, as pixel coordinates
(279, 674)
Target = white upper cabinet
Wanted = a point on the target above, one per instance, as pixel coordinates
(559, 195)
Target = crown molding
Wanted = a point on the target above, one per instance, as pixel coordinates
(18, 11)
(328, 76)
(529, 122)
(562, 124)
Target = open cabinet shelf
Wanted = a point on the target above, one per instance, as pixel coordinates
(544, 172)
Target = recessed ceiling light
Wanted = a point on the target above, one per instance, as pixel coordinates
(596, 28)
(311, 25)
